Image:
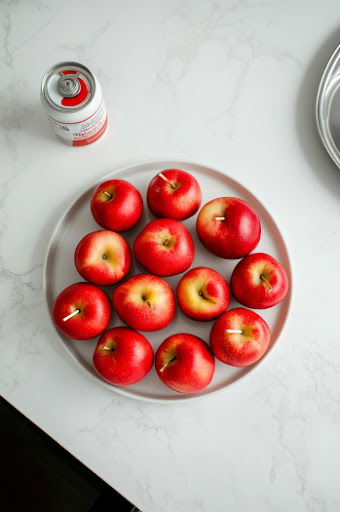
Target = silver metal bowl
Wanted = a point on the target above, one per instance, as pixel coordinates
(327, 108)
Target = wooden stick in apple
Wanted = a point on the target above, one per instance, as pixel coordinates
(239, 337)
(161, 175)
(174, 194)
(116, 205)
(165, 365)
(244, 228)
(74, 313)
(185, 363)
(82, 311)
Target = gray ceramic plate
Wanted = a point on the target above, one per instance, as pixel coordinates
(327, 108)
(77, 221)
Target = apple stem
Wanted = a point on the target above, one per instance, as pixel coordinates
(267, 283)
(109, 195)
(104, 347)
(74, 313)
(145, 299)
(219, 218)
(234, 331)
(201, 294)
(161, 175)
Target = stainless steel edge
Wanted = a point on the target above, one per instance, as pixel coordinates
(329, 83)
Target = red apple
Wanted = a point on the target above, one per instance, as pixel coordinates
(203, 294)
(164, 247)
(259, 281)
(116, 205)
(82, 311)
(103, 257)
(123, 356)
(145, 302)
(228, 227)
(239, 337)
(184, 363)
(174, 194)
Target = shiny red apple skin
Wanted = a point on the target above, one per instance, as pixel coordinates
(129, 359)
(203, 294)
(179, 199)
(145, 302)
(116, 205)
(95, 311)
(254, 291)
(103, 257)
(233, 237)
(193, 368)
(164, 247)
(239, 349)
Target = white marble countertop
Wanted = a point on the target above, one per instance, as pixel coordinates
(231, 84)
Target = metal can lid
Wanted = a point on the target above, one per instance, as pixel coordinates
(68, 86)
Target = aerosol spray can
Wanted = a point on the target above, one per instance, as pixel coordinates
(73, 100)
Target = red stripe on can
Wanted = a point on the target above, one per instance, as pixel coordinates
(93, 138)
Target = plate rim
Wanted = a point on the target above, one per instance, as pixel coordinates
(181, 398)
